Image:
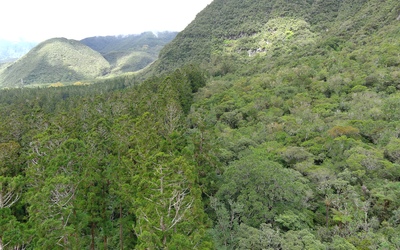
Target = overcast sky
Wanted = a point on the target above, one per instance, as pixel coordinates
(38, 20)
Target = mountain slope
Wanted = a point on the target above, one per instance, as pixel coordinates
(239, 26)
(55, 60)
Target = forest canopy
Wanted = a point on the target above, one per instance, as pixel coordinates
(285, 137)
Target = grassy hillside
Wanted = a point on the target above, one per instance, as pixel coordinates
(55, 60)
(130, 53)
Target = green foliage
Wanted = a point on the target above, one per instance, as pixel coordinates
(341, 244)
(264, 189)
(301, 240)
(392, 150)
(338, 131)
(264, 238)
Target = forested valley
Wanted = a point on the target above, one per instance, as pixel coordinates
(287, 137)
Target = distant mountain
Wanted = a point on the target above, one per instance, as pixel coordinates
(130, 53)
(55, 60)
(63, 60)
(12, 50)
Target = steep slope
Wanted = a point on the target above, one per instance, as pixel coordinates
(55, 60)
(274, 27)
(130, 53)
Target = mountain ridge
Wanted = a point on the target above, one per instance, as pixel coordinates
(87, 59)
(130, 53)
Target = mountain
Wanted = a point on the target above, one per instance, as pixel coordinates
(55, 60)
(274, 27)
(132, 52)
(12, 50)
(63, 60)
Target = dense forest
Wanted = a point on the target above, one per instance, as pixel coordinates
(284, 137)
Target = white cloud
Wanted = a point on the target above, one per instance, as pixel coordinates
(76, 19)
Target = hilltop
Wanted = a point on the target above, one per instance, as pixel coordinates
(55, 60)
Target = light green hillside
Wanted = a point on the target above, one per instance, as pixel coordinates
(55, 60)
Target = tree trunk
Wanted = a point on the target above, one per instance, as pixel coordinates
(121, 241)
(76, 233)
(327, 207)
(327, 215)
(165, 240)
(104, 215)
(92, 231)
